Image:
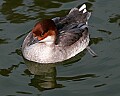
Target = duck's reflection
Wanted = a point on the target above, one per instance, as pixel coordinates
(44, 76)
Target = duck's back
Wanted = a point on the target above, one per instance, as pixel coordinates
(73, 26)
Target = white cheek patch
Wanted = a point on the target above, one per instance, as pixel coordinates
(48, 39)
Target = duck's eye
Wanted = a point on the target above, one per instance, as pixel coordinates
(45, 31)
(41, 34)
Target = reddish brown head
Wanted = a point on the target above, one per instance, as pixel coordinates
(44, 29)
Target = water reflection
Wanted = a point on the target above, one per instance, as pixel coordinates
(3, 41)
(8, 9)
(7, 71)
(64, 1)
(42, 4)
(115, 19)
(44, 76)
(92, 0)
(100, 85)
(1, 29)
(21, 11)
(77, 78)
(105, 31)
(95, 40)
(8, 6)
(17, 51)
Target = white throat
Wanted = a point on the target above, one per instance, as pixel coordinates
(48, 40)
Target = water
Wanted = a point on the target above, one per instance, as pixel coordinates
(82, 75)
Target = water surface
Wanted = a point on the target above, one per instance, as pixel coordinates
(82, 75)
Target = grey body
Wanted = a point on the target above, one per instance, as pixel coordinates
(72, 38)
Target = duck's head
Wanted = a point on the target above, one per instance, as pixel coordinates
(45, 31)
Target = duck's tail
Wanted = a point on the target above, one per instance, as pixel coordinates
(84, 10)
(80, 14)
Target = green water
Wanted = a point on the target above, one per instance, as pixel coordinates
(82, 75)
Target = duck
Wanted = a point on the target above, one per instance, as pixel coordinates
(58, 39)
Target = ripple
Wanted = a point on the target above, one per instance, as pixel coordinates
(1, 29)
(105, 31)
(115, 19)
(100, 85)
(6, 72)
(4, 41)
(17, 51)
(92, 0)
(23, 92)
(20, 36)
(77, 78)
(96, 40)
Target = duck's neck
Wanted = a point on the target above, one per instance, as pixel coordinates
(49, 43)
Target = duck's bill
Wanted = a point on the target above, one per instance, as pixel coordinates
(34, 40)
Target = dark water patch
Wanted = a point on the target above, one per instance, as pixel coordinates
(8, 9)
(23, 92)
(91, 0)
(116, 38)
(46, 4)
(8, 6)
(105, 31)
(18, 18)
(5, 72)
(108, 76)
(4, 41)
(59, 14)
(77, 78)
(1, 29)
(17, 38)
(44, 84)
(115, 19)
(63, 1)
(89, 5)
(8, 71)
(27, 72)
(17, 51)
(12, 15)
(10, 95)
(100, 85)
(3, 21)
(96, 40)
(20, 36)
